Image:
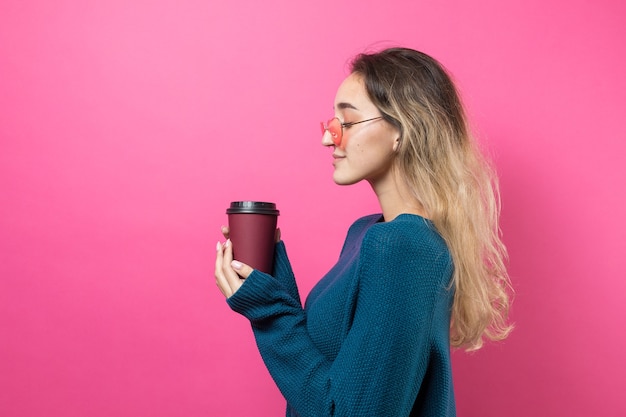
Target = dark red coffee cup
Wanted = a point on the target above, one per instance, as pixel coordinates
(252, 231)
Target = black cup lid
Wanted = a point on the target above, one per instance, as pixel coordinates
(252, 207)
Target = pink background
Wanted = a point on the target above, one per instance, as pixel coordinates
(126, 127)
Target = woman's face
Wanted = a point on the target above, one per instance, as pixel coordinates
(367, 150)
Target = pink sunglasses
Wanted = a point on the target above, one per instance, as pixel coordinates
(335, 128)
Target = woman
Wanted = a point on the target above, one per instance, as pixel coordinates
(374, 336)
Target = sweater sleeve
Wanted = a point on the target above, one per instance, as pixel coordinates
(382, 360)
(283, 271)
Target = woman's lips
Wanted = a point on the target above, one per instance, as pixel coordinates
(337, 158)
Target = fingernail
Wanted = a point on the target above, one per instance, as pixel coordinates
(236, 264)
(227, 244)
(218, 246)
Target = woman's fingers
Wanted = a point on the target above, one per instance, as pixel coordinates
(241, 269)
(277, 235)
(220, 278)
(228, 276)
(229, 272)
(225, 231)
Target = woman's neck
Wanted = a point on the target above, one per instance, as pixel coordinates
(395, 198)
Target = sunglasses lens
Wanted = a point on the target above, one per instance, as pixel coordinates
(334, 127)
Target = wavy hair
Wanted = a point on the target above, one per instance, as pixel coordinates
(452, 179)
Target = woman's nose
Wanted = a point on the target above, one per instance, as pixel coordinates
(327, 138)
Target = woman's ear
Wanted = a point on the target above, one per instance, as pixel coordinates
(396, 144)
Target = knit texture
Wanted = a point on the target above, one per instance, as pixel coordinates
(373, 338)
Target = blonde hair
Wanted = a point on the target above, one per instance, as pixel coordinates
(453, 181)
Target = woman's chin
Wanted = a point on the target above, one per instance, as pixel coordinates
(342, 180)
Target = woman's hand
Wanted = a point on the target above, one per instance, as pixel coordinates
(229, 274)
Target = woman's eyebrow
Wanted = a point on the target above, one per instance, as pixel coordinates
(342, 106)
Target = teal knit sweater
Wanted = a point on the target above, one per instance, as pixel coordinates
(373, 338)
